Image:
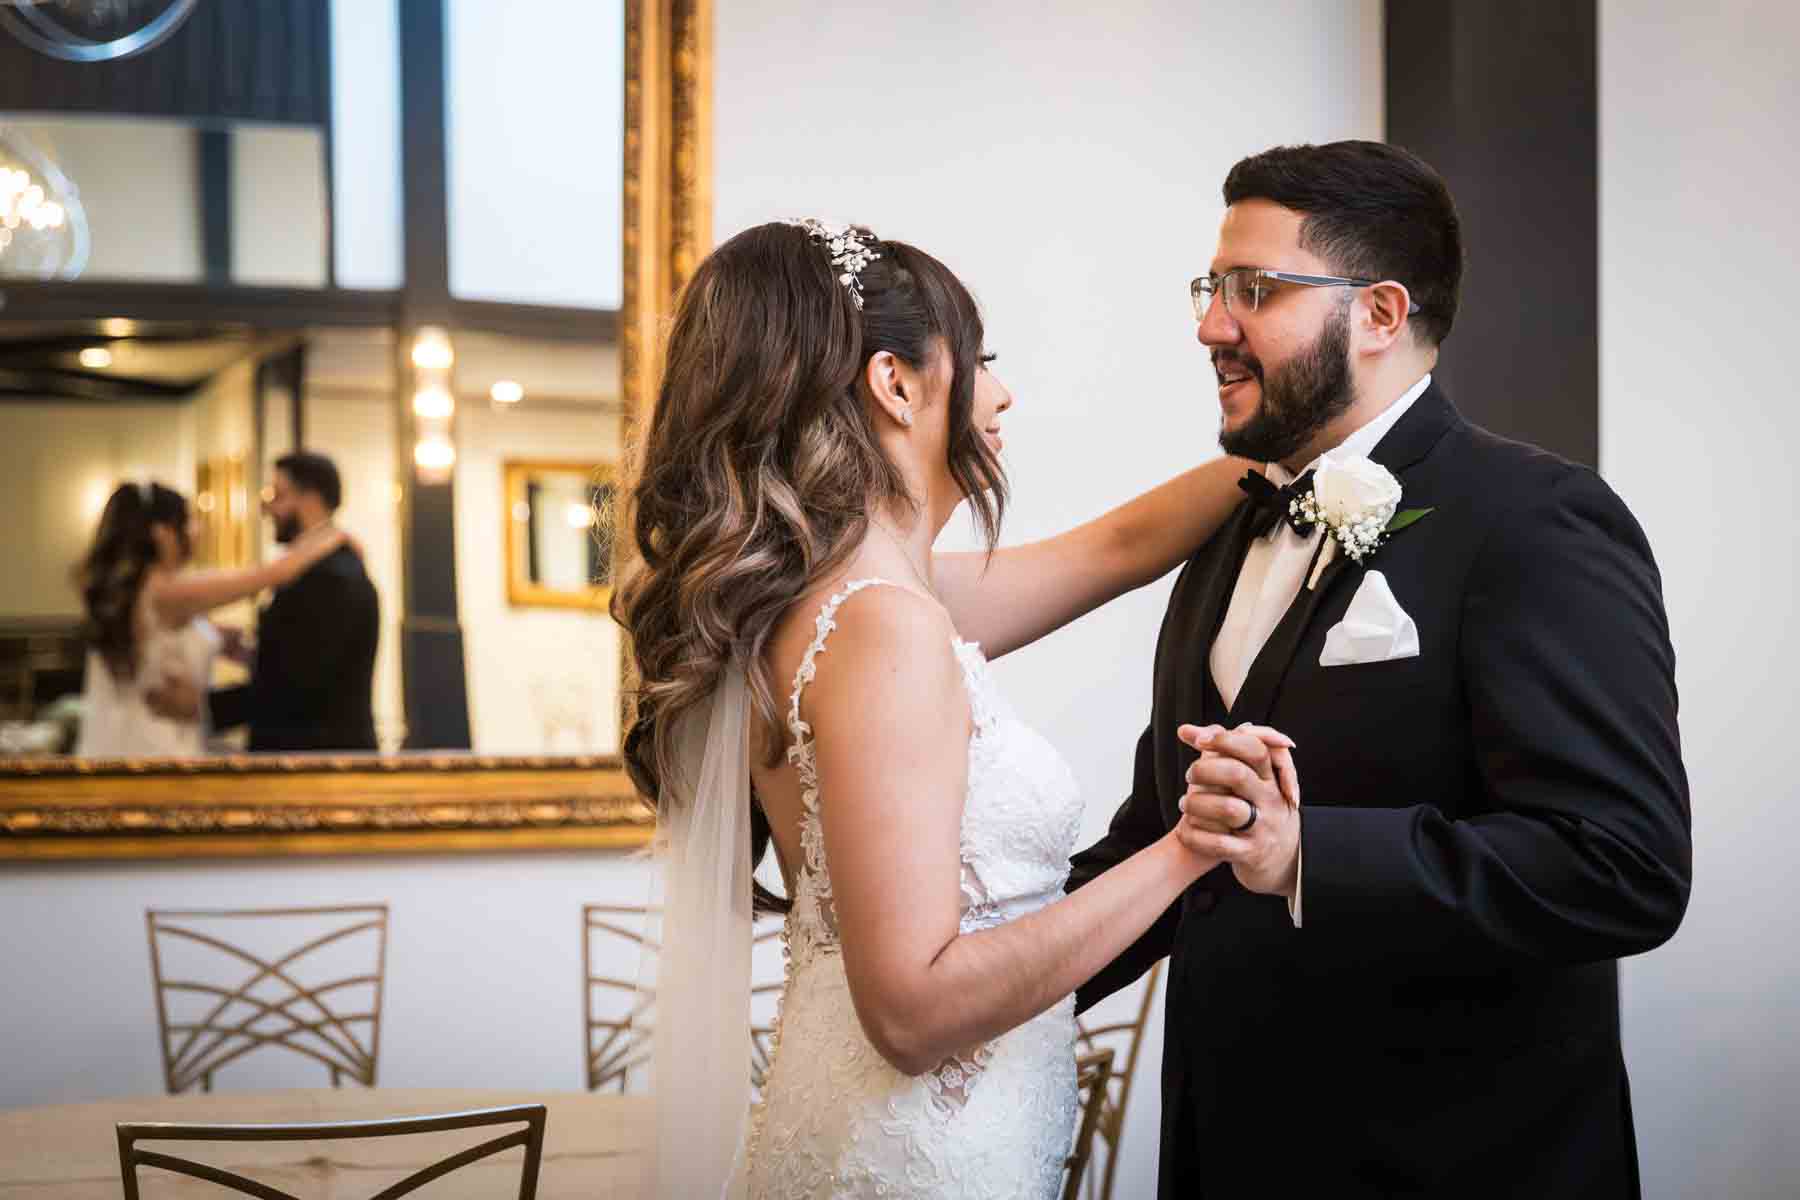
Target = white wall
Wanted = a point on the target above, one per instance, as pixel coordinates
(484, 956)
(1699, 421)
(58, 465)
(278, 206)
(1065, 159)
(532, 672)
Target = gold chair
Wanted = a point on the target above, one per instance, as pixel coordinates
(1091, 1073)
(616, 1036)
(531, 1137)
(617, 1022)
(298, 1017)
(1127, 1037)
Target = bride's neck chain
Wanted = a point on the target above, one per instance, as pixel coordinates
(900, 545)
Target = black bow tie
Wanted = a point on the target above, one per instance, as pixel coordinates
(1274, 504)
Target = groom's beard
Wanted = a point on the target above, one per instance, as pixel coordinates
(287, 529)
(1298, 400)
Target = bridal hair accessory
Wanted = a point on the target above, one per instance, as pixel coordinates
(849, 248)
(146, 491)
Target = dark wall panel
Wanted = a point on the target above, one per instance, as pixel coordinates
(256, 60)
(1502, 99)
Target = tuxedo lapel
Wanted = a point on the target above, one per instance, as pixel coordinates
(1409, 441)
(1417, 433)
(1261, 686)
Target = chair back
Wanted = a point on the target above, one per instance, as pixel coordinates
(1126, 1037)
(133, 1157)
(1091, 1073)
(616, 1032)
(312, 985)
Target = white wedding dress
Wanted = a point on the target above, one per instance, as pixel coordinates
(116, 721)
(998, 1120)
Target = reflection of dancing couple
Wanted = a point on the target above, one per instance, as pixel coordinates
(1454, 645)
(152, 649)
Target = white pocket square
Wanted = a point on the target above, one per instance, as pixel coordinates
(1375, 629)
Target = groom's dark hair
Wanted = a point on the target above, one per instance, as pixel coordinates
(313, 472)
(1373, 211)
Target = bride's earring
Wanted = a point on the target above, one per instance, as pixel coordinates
(905, 418)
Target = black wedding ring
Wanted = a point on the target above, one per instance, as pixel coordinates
(1246, 826)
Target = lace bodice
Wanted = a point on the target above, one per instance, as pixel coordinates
(836, 1119)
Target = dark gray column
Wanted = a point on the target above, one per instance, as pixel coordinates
(437, 707)
(1503, 100)
(214, 161)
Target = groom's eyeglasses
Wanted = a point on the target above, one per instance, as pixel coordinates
(1245, 288)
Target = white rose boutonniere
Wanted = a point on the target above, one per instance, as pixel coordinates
(1358, 502)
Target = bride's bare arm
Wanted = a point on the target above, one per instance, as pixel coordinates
(184, 595)
(1025, 592)
(891, 723)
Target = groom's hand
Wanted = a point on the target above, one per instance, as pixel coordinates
(1243, 805)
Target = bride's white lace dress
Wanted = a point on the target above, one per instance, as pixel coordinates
(835, 1119)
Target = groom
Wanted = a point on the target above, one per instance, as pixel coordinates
(1409, 984)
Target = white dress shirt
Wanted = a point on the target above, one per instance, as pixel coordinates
(1274, 570)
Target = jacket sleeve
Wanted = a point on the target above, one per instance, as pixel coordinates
(1137, 824)
(1581, 850)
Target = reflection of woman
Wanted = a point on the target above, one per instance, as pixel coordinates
(145, 622)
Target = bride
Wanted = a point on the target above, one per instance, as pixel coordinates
(813, 677)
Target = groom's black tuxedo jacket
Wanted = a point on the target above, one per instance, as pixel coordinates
(1486, 828)
(311, 685)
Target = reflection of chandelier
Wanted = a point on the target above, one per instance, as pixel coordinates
(43, 229)
(93, 30)
(22, 202)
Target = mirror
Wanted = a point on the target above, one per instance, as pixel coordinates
(558, 534)
(204, 384)
(198, 198)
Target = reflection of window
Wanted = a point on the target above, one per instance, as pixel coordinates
(570, 545)
(536, 147)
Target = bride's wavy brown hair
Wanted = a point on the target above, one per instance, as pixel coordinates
(760, 465)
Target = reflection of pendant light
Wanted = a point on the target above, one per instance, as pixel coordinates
(434, 405)
(94, 30)
(43, 228)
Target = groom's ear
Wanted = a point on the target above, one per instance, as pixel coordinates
(1382, 312)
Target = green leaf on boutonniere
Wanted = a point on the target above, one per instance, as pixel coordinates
(1402, 520)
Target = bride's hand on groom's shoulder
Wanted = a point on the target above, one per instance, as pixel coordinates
(1243, 804)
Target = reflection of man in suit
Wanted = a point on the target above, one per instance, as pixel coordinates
(312, 677)
(1407, 986)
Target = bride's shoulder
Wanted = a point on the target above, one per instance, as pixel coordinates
(863, 626)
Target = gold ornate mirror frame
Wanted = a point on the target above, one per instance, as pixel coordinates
(522, 591)
(69, 809)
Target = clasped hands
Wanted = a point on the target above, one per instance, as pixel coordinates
(1242, 805)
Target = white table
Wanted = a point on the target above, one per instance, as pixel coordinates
(69, 1152)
